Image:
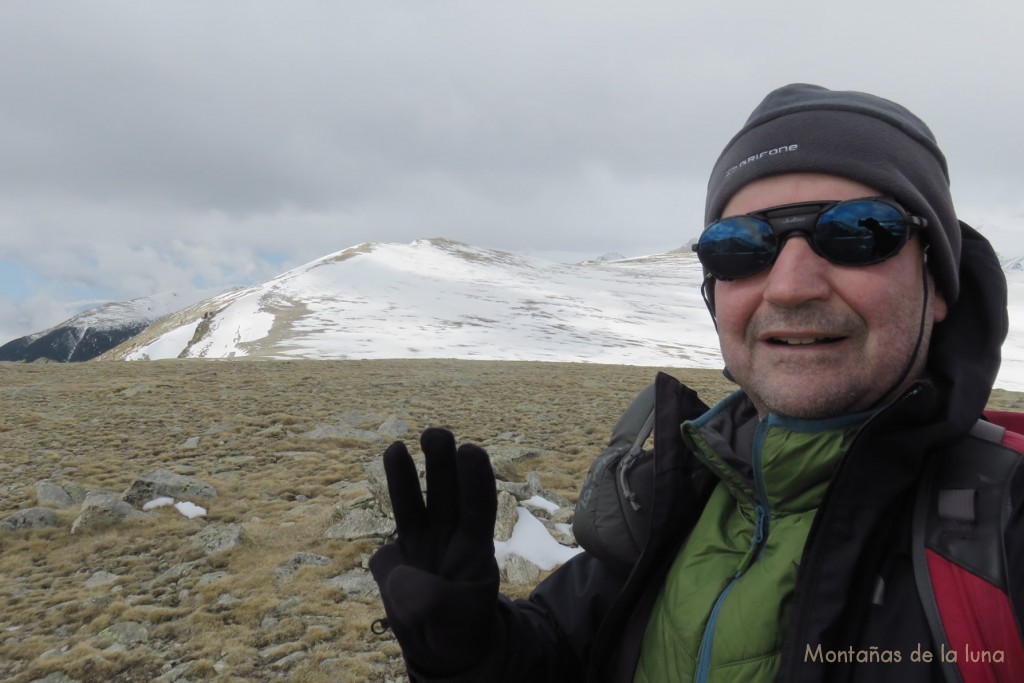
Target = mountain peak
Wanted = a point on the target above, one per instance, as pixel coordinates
(440, 298)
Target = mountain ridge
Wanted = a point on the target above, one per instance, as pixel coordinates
(90, 333)
(442, 298)
(439, 298)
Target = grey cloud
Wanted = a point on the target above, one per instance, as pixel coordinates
(143, 145)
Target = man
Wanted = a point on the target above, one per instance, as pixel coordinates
(862, 322)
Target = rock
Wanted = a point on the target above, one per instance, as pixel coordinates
(101, 510)
(514, 437)
(58, 495)
(362, 524)
(218, 539)
(235, 461)
(376, 483)
(503, 453)
(175, 572)
(508, 515)
(299, 454)
(212, 577)
(356, 418)
(560, 531)
(291, 660)
(356, 584)
(55, 677)
(394, 427)
(353, 496)
(30, 518)
(101, 578)
(124, 633)
(518, 490)
(561, 501)
(54, 652)
(343, 432)
(520, 571)
(539, 511)
(191, 442)
(563, 515)
(176, 674)
(225, 600)
(301, 560)
(163, 482)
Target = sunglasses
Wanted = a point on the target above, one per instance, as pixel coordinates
(856, 232)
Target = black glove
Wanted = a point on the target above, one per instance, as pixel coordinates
(439, 579)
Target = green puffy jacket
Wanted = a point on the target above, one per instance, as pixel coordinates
(721, 614)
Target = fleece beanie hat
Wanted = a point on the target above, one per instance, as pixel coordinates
(804, 128)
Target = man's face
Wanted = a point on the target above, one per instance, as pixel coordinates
(810, 339)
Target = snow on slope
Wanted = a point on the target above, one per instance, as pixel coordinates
(117, 314)
(442, 299)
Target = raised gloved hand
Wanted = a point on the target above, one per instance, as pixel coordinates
(439, 579)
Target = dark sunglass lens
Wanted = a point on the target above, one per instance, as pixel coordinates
(736, 247)
(860, 232)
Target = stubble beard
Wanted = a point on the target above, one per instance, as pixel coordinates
(818, 390)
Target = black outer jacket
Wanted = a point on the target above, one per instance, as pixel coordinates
(586, 621)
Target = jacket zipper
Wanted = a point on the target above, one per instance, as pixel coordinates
(810, 562)
(757, 544)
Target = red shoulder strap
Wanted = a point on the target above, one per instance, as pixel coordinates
(957, 553)
(1014, 424)
(979, 623)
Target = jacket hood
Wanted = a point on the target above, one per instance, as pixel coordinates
(965, 350)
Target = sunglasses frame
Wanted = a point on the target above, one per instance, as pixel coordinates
(802, 218)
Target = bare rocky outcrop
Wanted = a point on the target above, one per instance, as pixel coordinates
(361, 524)
(507, 516)
(30, 518)
(217, 539)
(357, 583)
(161, 482)
(101, 510)
(59, 494)
(394, 427)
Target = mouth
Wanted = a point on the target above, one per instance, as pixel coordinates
(802, 341)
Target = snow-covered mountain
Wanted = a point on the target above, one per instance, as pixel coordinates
(92, 332)
(441, 299)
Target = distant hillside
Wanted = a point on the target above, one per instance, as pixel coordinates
(69, 343)
(91, 333)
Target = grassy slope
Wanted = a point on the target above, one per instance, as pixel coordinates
(100, 425)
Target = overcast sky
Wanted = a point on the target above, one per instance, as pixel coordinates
(155, 146)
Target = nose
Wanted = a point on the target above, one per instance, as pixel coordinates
(798, 275)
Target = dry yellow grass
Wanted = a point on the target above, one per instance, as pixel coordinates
(229, 617)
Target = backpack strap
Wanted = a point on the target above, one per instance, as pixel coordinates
(612, 517)
(960, 514)
(606, 503)
(988, 431)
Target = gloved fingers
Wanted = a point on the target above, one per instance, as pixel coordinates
(404, 490)
(442, 479)
(470, 552)
(384, 561)
(478, 496)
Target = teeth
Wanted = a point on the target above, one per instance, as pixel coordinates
(796, 341)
